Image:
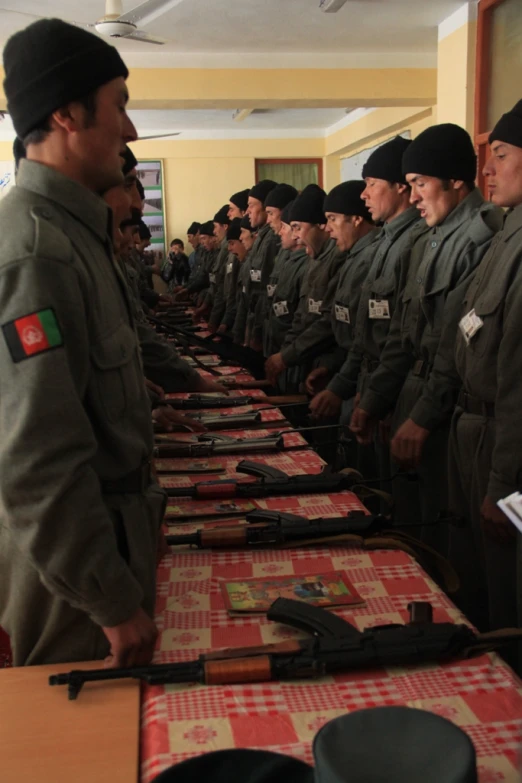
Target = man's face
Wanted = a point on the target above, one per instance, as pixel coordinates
(130, 188)
(383, 199)
(234, 211)
(119, 200)
(176, 248)
(207, 241)
(288, 240)
(193, 240)
(343, 228)
(127, 237)
(247, 239)
(503, 172)
(300, 231)
(142, 244)
(273, 218)
(220, 231)
(236, 247)
(100, 142)
(256, 212)
(434, 198)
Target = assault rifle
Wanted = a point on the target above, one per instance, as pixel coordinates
(272, 483)
(276, 527)
(229, 421)
(196, 402)
(335, 646)
(223, 346)
(208, 444)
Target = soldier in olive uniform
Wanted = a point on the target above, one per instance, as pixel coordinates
(243, 281)
(287, 279)
(440, 166)
(236, 256)
(216, 295)
(483, 355)
(261, 260)
(200, 283)
(80, 516)
(305, 339)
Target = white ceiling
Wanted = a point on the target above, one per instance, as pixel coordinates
(362, 28)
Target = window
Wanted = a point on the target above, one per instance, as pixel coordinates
(298, 172)
(499, 67)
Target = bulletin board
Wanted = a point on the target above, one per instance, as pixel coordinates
(351, 166)
(150, 174)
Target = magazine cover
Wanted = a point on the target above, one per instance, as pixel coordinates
(256, 595)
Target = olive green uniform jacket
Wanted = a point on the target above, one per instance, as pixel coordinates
(74, 554)
(283, 296)
(262, 257)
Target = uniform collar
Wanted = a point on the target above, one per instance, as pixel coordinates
(365, 242)
(512, 222)
(400, 223)
(462, 213)
(76, 199)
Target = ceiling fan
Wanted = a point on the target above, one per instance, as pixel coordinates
(116, 24)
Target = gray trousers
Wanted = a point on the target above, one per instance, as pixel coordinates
(420, 502)
(487, 568)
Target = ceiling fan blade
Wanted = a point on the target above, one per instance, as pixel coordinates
(146, 12)
(139, 35)
(158, 136)
(21, 13)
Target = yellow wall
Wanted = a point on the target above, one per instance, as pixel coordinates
(201, 176)
(456, 77)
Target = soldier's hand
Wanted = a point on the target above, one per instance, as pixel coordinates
(324, 404)
(496, 524)
(316, 380)
(157, 390)
(407, 444)
(132, 642)
(180, 295)
(170, 420)
(274, 366)
(222, 329)
(362, 426)
(256, 345)
(207, 386)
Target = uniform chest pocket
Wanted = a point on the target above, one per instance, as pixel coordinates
(488, 307)
(117, 374)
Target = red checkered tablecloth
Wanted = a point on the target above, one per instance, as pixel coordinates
(482, 696)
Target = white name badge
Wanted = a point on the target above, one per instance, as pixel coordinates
(212, 277)
(255, 275)
(244, 289)
(270, 290)
(342, 314)
(230, 268)
(280, 308)
(315, 307)
(378, 308)
(470, 325)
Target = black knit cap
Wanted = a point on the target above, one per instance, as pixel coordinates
(262, 189)
(234, 229)
(240, 199)
(308, 206)
(280, 196)
(345, 199)
(207, 229)
(129, 161)
(386, 161)
(444, 151)
(194, 227)
(509, 127)
(51, 63)
(245, 223)
(222, 216)
(287, 211)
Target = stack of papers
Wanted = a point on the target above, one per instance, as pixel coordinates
(512, 508)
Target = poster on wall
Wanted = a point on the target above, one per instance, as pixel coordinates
(7, 176)
(150, 174)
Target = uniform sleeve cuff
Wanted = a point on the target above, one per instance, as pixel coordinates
(343, 389)
(289, 356)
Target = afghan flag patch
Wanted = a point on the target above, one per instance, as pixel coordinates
(32, 334)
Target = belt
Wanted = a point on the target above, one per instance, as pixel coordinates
(370, 365)
(421, 369)
(475, 406)
(136, 481)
